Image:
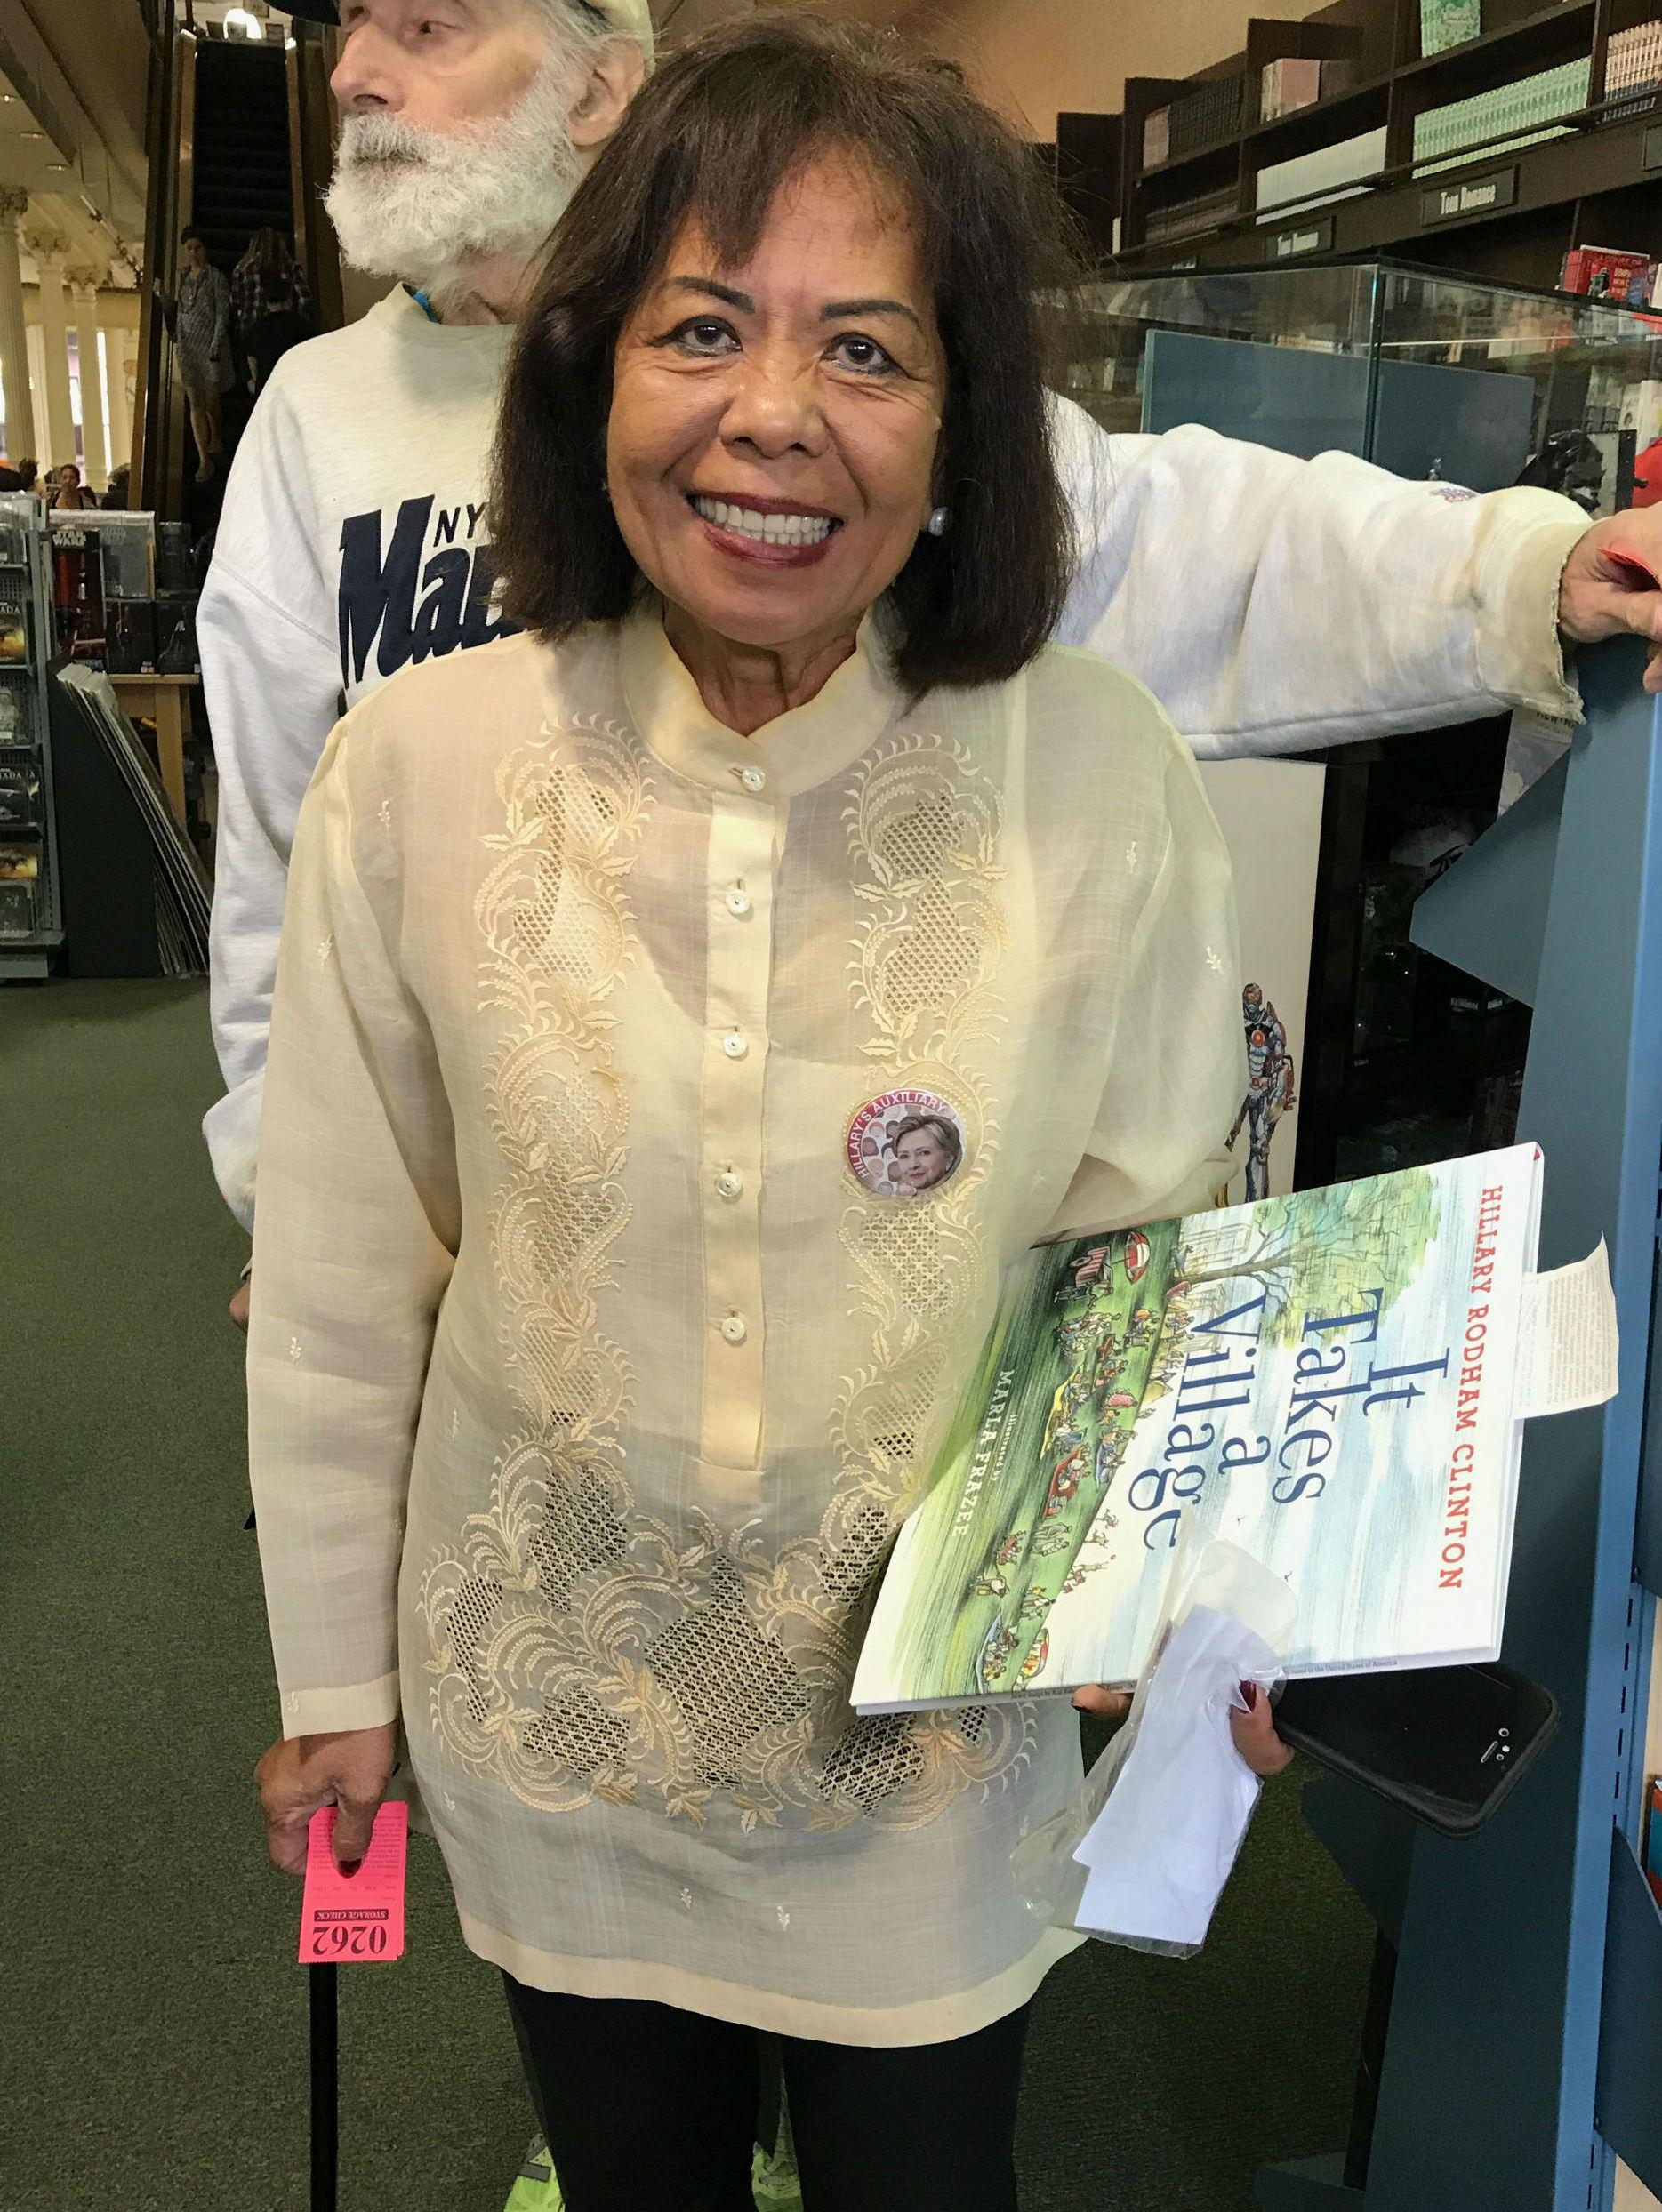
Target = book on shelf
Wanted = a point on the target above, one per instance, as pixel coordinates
(1607, 272)
(20, 794)
(1288, 85)
(1514, 116)
(1208, 114)
(1330, 1380)
(1445, 23)
(1633, 63)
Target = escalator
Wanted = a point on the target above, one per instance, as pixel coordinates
(242, 175)
(239, 138)
(240, 183)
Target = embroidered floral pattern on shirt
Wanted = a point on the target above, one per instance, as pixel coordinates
(923, 826)
(579, 1648)
(512, 1649)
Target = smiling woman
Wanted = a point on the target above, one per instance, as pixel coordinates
(789, 323)
(687, 1008)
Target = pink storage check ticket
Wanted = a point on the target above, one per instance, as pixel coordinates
(349, 1921)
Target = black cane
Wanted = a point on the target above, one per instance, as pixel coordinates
(325, 2087)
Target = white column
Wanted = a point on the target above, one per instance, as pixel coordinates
(54, 330)
(84, 284)
(117, 338)
(19, 407)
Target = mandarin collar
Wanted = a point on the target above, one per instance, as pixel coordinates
(794, 752)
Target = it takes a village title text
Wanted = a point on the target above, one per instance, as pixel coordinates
(1334, 1366)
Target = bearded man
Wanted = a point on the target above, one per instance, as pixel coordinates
(351, 541)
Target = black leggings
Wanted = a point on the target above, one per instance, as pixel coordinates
(651, 2110)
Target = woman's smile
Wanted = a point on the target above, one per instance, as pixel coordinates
(774, 533)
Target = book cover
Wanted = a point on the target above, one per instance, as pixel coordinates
(1327, 1380)
(1445, 23)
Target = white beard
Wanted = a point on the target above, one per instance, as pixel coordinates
(424, 205)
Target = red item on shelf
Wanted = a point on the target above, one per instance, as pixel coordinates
(1607, 272)
(1647, 476)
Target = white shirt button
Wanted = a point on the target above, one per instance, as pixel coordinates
(736, 1045)
(729, 1185)
(739, 900)
(734, 1329)
(754, 779)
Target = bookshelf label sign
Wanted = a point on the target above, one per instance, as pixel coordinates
(1474, 196)
(1288, 246)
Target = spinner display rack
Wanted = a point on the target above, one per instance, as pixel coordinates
(31, 917)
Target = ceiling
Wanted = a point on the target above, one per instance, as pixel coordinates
(73, 77)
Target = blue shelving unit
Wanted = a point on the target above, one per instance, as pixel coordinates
(1524, 2051)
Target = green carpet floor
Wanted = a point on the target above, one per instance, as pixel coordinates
(154, 2043)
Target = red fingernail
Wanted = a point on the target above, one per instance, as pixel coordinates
(1250, 1691)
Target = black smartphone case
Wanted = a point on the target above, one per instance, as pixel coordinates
(1448, 1744)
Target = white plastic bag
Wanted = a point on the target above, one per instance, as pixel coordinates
(1141, 1856)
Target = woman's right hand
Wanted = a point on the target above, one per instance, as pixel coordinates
(347, 1767)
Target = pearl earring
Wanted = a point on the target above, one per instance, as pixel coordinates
(939, 517)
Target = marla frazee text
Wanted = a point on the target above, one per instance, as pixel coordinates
(986, 1449)
(1221, 1377)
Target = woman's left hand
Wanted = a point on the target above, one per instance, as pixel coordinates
(1255, 1735)
(1603, 595)
(1254, 1730)
(1105, 1704)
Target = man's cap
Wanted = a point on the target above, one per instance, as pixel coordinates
(633, 17)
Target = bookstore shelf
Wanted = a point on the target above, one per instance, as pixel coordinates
(31, 923)
(1533, 41)
(1341, 125)
(1360, 108)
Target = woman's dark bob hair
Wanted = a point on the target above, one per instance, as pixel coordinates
(711, 138)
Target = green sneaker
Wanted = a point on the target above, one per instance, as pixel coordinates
(537, 2189)
(774, 2183)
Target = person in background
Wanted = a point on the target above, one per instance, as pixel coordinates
(12, 479)
(67, 492)
(29, 471)
(284, 324)
(120, 478)
(199, 318)
(352, 538)
(267, 272)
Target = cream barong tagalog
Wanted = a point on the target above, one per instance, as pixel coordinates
(650, 1113)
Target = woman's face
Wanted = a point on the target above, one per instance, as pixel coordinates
(922, 1160)
(773, 428)
(195, 254)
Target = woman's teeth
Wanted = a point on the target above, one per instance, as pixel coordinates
(745, 522)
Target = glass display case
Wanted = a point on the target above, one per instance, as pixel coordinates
(1392, 1058)
(1428, 373)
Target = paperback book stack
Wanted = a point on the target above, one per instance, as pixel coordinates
(1185, 218)
(1292, 83)
(1501, 121)
(1205, 116)
(1632, 64)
